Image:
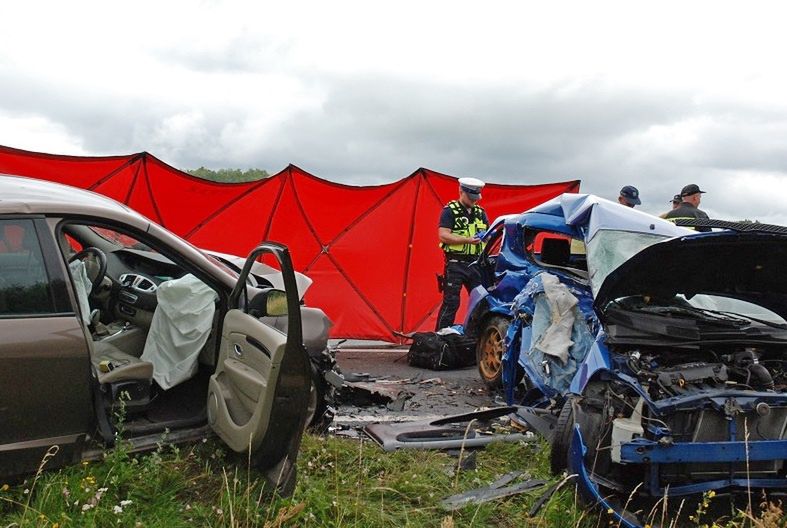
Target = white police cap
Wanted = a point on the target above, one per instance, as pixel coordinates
(471, 186)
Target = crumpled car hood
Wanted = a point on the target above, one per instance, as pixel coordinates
(269, 273)
(745, 266)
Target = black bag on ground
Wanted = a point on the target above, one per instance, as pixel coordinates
(462, 349)
(441, 352)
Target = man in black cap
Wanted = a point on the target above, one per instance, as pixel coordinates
(629, 196)
(675, 204)
(690, 196)
(462, 223)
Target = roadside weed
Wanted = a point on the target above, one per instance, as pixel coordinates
(341, 483)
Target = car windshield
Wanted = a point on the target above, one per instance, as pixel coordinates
(120, 239)
(608, 249)
(726, 305)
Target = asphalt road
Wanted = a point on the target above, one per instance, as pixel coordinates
(388, 389)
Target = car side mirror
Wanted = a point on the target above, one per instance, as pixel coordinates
(269, 302)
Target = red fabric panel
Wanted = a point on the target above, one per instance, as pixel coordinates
(74, 170)
(239, 226)
(371, 251)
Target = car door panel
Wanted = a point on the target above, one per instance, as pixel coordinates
(44, 393)
(258, 395)
(243, 375)
(249, 354)
(248, 382)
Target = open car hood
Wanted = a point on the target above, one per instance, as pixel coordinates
(745, 266)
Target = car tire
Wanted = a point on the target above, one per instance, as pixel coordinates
(489, 352)
(319, 414)
(561, 441)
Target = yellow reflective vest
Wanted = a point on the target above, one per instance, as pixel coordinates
(465, 227)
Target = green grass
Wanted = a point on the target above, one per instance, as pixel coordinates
(341, 483)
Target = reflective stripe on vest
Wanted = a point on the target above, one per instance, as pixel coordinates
(466, 228)
(675, 219)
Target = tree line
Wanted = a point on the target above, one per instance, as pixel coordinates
(229, 175)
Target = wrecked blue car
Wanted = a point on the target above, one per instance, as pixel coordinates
(652, 357)
(518, 247)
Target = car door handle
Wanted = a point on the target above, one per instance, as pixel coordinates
(238, 351)
(256, 344)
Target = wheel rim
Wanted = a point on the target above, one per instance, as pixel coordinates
(491, 354)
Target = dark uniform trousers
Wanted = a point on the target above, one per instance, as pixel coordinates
(458, 273)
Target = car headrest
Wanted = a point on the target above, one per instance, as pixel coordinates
(555, 251)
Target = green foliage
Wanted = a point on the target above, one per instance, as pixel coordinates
(229, 175)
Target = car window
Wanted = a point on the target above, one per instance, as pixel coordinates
(556, 249)
(610, 248)
(24, 285)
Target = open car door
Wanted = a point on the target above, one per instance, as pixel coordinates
(258, 395)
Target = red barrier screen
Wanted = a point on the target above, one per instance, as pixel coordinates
(371, 251)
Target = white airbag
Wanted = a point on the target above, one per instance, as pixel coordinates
(181, 325)
(556, 340)
(83, 286)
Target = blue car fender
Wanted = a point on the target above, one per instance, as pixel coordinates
(596, 361)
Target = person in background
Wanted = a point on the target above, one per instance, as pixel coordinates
(675, 203)
(629, 196)
(462, 224)
(689, 207)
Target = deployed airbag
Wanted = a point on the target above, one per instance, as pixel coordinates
(82, 286)
(181, 325)
(558, 318)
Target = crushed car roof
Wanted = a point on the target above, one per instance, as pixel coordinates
(594, 213)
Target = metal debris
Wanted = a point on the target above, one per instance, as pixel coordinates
(445, 432)
(494, 491)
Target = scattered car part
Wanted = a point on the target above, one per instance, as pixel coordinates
(447, 432)
(495, 490)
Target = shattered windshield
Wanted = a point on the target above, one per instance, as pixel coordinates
(610, 248)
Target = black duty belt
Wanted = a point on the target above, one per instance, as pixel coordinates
(459, 257)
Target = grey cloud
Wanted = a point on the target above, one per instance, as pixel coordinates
(373, 130)
(245, 53)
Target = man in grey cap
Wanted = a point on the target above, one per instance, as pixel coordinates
(462, 224)
(629, 196)
(690, 196)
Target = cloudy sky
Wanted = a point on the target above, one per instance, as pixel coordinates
(655, 94)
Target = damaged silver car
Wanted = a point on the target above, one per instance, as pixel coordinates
(104, 314)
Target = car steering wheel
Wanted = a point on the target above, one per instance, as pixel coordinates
(100, 257)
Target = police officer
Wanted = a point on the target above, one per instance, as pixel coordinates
(629, 196)
(462, 222)
(690, 196)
